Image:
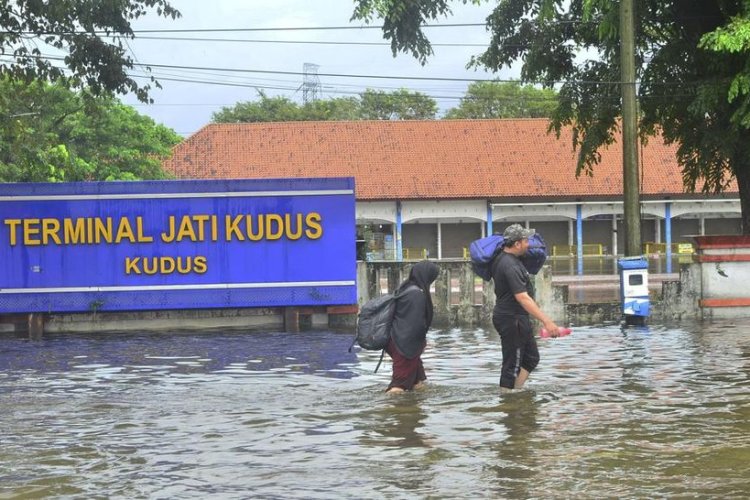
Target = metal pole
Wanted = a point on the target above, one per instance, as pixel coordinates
(579, 239)
(668, 231)
(489, 218)
(631, 196)
(397, 244)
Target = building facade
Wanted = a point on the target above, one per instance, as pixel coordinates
(428, 188)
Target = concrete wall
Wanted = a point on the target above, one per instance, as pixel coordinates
(454, 296)
(460, 300)
(269, 319)
(716, 284)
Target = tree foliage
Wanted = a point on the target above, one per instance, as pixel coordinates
(400, 104)
(49, 134)
(692, 59)
(370, 105)
(92, 35)
(504, 100)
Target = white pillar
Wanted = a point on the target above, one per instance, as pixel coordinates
(701, 225)
(571, 233)
(657, 230)
(614, 235)
(440, 240)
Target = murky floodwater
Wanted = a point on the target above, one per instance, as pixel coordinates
(657, 412)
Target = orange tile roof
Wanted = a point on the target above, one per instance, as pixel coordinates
(439, 159)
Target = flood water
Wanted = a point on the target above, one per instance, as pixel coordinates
(654, 412)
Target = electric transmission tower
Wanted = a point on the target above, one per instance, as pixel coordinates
(310, 83)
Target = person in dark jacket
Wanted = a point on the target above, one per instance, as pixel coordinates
(411, 321)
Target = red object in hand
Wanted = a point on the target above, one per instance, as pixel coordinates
(561, 332)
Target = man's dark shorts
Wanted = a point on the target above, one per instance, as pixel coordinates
(519, 347)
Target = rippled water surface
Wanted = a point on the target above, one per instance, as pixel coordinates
(656, 412)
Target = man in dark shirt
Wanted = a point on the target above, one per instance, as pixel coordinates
(514, 303)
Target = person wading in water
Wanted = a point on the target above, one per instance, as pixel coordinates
(514, 303)
(412, 319)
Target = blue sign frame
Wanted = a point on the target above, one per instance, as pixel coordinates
(114, 246)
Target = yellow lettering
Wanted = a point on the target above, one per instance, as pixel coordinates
(270, 220)
(13, 223)
(186, 229)
(50, 228)
(288, 227)
(103, 230)
(167, 265)
(150, 269)
(201, 264)
(90, 229)
(30, 229)
(141, 237)
(201, 220)
(73, 234)
(214, 228)
(187, 268)
(314, 229)
(169, 237)
(249, 226)
(232, 227)
(124, 231)
(131, 265)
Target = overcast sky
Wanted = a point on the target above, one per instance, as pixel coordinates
(187, 106)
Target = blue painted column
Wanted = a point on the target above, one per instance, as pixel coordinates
(579, 238)
(668, 234)
(399, 248)
(489, 219)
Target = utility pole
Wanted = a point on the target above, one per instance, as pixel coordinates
(631, 195)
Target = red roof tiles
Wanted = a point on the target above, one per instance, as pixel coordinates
(492, 159)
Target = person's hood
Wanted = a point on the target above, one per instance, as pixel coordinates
(423, 274)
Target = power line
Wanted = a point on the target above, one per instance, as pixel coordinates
(303, 28)
(112, 32)
(352, 75)
(233, 30)
(331, 75)
(386, 77)
(148, 67)
(346, 92)
(307, 42)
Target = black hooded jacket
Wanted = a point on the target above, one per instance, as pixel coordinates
(413, 315)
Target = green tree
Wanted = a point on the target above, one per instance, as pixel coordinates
(334, 109)
(400, 104)
(267, 109)
(92, 33)
(504, 100)
(692, 61)
(50, 133)
(370, 105)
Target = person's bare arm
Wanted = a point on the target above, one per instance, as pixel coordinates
(532, 308)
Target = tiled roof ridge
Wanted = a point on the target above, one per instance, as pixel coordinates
(423, 159)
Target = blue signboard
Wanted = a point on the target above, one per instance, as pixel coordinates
(177, 244)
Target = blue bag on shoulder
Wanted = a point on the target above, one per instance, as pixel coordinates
(484, 250)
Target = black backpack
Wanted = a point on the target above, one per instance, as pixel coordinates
(374, 323)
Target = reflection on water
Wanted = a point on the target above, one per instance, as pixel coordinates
(641, 413)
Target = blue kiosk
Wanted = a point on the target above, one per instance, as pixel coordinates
(634, 289)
